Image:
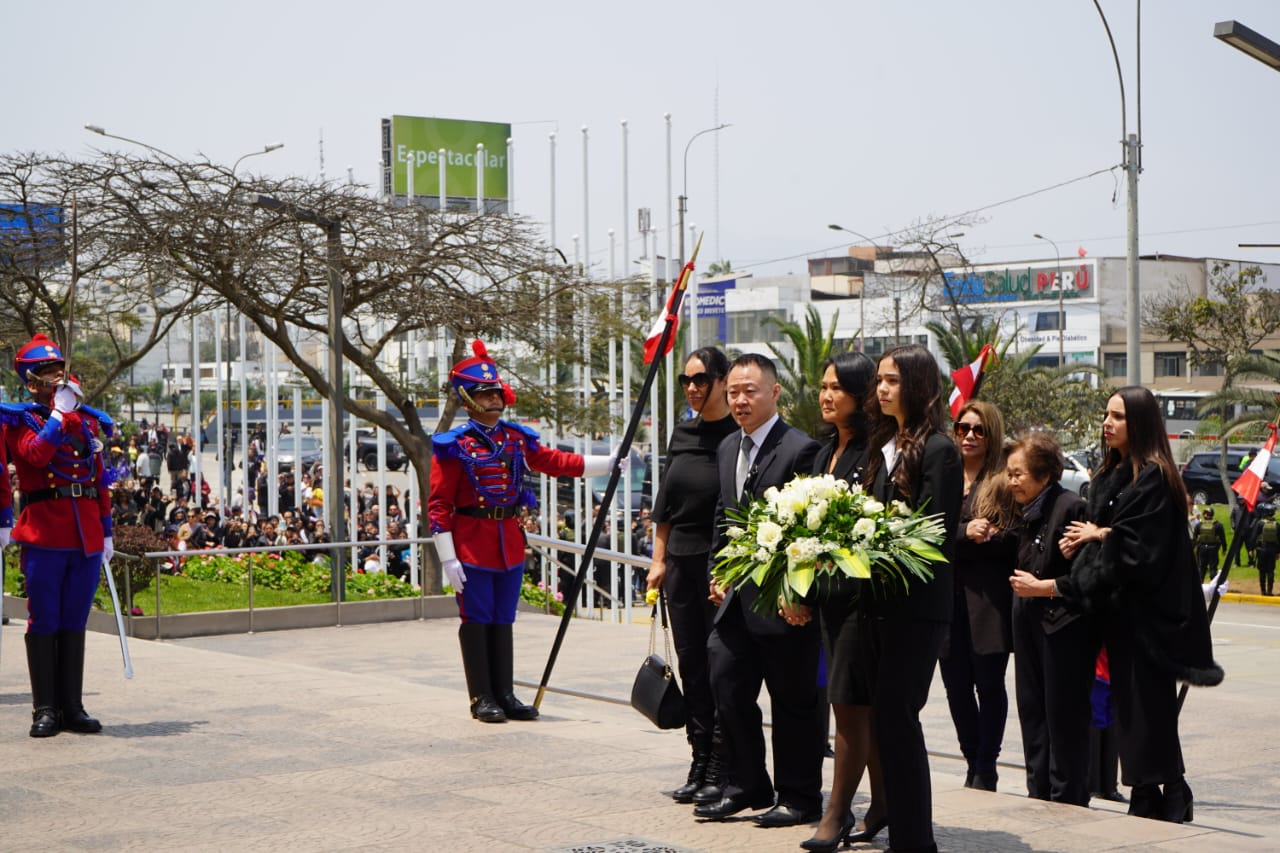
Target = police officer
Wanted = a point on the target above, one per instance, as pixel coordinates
(1267, 545)
(1211, 539)
(478, 489)
(64, 529)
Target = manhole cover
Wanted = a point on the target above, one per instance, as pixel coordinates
(624, 845)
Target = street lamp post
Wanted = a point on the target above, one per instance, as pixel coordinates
(266, 149)
(1132, 147)
(1062, 317)
(681, 205)
(333, 452)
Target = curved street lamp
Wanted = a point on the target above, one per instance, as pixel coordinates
(266, 149)
(862, 297)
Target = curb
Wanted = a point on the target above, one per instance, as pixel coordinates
(1250, 598)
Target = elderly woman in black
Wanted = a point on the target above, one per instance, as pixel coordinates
(1054, 648)
(683, 519)
(976, 657)
(1135, 572)
(912, 459)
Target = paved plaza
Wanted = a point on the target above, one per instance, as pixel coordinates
(358, 738)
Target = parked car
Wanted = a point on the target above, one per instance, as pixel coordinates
(367, 450)
(1203, 478)
(1075, 473)
(290, 448)
(635, 480)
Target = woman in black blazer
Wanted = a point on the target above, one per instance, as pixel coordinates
(848, 379)
(912, 459)
(976, 656)
(1054, 646)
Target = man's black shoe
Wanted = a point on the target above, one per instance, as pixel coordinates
(730, 806)
(784, 815)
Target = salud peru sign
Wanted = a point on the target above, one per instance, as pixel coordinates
(1021, 284)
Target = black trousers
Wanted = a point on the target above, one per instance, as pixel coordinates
(1266, 568)
(906, 653)
(787, 664)
(1146, 705)
(1207, 557)
(976, 696)
(686, 588)
(1054, 679)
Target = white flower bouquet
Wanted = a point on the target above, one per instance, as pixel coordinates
(818, 525)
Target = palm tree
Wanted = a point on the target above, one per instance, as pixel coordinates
(801, 376)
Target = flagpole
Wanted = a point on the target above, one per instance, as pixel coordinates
(602, 514)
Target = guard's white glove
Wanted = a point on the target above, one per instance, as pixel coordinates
(449, 560)
(108, 549)
(593, 466)
(65, 399)
(6, 534)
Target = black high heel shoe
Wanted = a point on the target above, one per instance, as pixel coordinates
(827, 845)
(868, 834)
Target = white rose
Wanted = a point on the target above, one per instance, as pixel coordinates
(769, 535)
(872, 506)
(771, 495)
(900, 508)
(735, 532)
(864, 528)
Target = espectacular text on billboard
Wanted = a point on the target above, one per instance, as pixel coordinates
(418, 146)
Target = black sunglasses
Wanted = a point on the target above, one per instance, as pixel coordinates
(978, 430)
(702, 380)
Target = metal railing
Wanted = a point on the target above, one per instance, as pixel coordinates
(596, 600)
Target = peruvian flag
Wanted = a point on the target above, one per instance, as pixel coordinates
(672, 314)
(968, 379)
(1248, 483)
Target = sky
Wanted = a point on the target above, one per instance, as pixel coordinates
(873, 114)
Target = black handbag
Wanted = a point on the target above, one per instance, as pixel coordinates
(655, 692)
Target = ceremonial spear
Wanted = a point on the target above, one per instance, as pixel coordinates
(637, 414)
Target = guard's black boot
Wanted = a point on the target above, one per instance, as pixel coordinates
(712, 790)
(71, 684)
(42, 664)
(502, 664)
(701, 746)
(475, 664)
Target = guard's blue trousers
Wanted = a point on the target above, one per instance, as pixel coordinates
(60, 588)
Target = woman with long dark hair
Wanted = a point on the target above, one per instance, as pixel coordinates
(848, 380)
(1054, 646)
(1134, 571)
(976, 656)
(911, 459)
(683, 515)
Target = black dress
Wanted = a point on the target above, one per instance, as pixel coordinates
(687, 501)
(838, 597)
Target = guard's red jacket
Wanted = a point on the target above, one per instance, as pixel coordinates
(65, 456)
(478, 468)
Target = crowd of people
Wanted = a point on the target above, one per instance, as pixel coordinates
(1098, 603)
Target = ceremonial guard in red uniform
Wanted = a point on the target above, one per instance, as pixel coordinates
(477, 492)
(64, 529)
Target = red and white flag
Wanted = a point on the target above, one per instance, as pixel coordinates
(654, 337)
(968, 379)
(1248, 483)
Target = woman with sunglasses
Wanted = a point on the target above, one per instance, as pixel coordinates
(848, 380)
(1054, 645)
(976, 657)
(911, 459)
(1134, 571)
(683, 521)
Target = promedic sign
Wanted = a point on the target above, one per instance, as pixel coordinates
(411, 144)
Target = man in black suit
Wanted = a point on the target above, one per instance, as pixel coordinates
(747, 649)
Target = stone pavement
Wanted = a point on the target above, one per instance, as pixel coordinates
(358, 738)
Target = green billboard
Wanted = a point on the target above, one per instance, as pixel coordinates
(420, 145)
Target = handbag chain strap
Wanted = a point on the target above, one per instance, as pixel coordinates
(660, 606)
